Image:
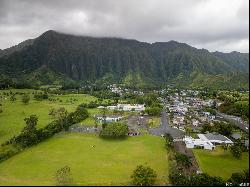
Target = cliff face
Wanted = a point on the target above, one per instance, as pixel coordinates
(90, 59)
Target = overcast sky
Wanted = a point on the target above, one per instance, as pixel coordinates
(217, 25)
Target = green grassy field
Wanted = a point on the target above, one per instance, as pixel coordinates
(154, 122)
(12, 117)
(220, 163)
(111, 162)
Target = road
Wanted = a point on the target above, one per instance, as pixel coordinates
(162, 129)
(235, 120)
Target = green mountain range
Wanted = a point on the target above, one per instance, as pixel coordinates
(54, 58)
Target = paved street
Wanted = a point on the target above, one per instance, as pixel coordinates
(162, 129)
(235, 120)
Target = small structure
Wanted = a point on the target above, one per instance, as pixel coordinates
(100, 107)
(178, 120)
(195, 122)
(236, 136)
(127, 107)
(108, 119)
(133, 132)
(112, 107)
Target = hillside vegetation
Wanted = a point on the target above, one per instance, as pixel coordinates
(62, 58)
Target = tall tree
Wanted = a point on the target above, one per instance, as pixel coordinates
(61, 115)
(143, 176)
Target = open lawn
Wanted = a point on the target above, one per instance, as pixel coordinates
(110, 162)
(220, 163)
(12, 117)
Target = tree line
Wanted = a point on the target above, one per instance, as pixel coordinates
(30, 135)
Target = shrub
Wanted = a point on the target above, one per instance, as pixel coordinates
(236, 151)
(25, 98)
(183, 160)
(153, 111)
(41, 96)
(63, 177)
(80, 114)
(12, 98)
(238, 178)
(203, 179)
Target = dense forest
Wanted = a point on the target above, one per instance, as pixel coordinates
(56, 58)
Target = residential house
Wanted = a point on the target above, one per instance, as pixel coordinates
(195, 122)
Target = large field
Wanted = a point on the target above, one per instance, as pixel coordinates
(12, 117)
(109, 162)
(220, 163)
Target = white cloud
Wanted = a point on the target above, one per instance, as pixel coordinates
(221, 25)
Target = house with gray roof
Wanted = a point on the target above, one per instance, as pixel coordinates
(206, 141)
(215, 138)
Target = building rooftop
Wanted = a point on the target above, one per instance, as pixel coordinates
(107, 116)
(213, 136)
(236, 136)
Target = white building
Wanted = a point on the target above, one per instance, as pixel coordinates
(112, 107)
(195, 122)
(108, 119)
(127, 107)
(178, 120)
(206, 141)
(194, 143)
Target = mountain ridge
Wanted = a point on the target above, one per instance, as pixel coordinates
(84, 58)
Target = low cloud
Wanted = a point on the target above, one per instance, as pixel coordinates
(217, 25)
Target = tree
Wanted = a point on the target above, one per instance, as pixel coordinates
(114, 130)
(29, 134)
(224, 146)
(203, 179)
(238, 178)
(63, 177)
(41, 96)
(183, 160)
(188, 130)
(143, 176)
(31, 123)
(168, 140)
(1, 110)
(236, 151)
(153, 111)
(178, 179)
(25, 98)
(61, 115)
(80, 114)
